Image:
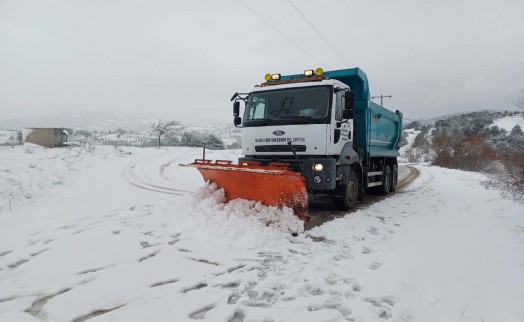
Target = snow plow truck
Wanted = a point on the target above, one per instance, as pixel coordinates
(311, 133)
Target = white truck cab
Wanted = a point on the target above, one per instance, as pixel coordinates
(307, 115)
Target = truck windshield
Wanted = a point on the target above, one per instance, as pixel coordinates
(289, 106)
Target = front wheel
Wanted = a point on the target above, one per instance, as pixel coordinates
(349, 193)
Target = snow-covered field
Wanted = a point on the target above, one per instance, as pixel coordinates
(508, 122)
(126, 235)
(8, 137)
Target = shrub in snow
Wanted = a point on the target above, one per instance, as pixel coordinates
(416, 155)
(505, 167)
(199, 140)
(464, 153)
(121, 152)
(510, 176)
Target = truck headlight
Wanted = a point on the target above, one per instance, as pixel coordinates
(318, 167)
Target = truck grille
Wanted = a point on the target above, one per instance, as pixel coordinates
(279, 148)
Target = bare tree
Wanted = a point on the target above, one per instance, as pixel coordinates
(162, 127)
(20, 137)
(520, 101)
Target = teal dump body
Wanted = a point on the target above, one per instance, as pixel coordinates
(378, 129)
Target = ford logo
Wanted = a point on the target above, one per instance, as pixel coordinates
(279, 132)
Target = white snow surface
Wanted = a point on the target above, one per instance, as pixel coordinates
(509, 122)
(127, 235)
(8, 137)
(411, 135)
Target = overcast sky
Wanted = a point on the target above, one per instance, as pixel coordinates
(184, 59)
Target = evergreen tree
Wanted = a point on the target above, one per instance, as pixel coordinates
(191, 139)
(516, 139)
(214, 143)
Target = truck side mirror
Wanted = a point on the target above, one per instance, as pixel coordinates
(347, 114)
(236, 108)
(350, 100)
(236, 112)
(237, 121)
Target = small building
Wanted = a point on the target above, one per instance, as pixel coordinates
(48, 137)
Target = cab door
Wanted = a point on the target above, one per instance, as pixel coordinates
(341, 130)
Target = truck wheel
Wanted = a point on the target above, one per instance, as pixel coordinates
(386, 181)
(394, 177)
(349, 193)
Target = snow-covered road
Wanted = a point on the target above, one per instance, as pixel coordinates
(88, 237)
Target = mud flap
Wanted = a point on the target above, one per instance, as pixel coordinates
(272, 185)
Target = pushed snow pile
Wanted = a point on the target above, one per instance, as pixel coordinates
(211, 201)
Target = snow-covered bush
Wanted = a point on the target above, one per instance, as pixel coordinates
(210, 141)
(464, 153)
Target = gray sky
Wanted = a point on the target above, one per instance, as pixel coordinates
(184, 59)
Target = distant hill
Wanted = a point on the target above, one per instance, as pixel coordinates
(498, 129)
(511, 117)
(93, 121)
(432, 120)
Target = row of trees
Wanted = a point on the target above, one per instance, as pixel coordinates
(165, 133)
(167, 129)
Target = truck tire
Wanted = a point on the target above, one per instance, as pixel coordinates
(349, 193)
(394, 177)
(386, 181)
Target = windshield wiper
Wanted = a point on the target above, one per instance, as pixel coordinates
(259, 122)
(297, 119)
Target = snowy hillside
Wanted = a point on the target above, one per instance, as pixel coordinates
(124, 234)
(508, 122)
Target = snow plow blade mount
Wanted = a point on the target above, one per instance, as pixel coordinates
(272, 185)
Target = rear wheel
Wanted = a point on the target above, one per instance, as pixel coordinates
(394, 177)
(349, 193)
(386, 181)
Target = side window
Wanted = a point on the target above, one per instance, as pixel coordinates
(258, 109)
(339, 105)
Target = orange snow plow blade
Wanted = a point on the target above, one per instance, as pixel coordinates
(273, 185)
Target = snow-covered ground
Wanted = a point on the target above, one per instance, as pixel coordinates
(508, 122)
(126, 235)
(411, 135)
(8, 137)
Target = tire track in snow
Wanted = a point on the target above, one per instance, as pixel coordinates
(139, 174)
(322, 212)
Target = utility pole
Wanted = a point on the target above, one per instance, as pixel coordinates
(381, 97)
